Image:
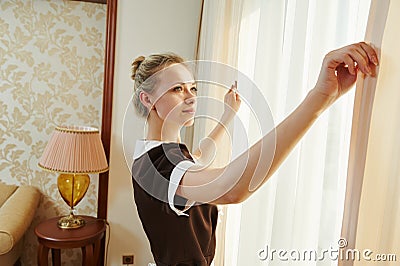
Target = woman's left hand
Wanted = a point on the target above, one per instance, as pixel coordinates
(340, 67)
(232, 103)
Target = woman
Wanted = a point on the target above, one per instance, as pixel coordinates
(175, 192)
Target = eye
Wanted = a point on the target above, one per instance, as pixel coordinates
(194, 89)
(178, 88)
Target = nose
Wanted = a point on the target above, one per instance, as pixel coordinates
(190, 96)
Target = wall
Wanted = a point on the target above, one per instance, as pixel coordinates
(51, 73)
(143, 27)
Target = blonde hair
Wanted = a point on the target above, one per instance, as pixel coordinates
(142, 69)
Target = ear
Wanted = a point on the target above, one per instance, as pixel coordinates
(146, 100)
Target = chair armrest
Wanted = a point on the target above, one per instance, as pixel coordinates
(16, 215)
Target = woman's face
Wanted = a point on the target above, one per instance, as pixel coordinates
(175, 95)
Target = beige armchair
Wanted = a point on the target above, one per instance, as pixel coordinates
(17, 209)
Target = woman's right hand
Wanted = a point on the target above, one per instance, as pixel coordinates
(232, 103)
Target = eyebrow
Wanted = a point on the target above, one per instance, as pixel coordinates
(183, 83)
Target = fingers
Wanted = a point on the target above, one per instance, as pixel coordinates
(364, 55)
(348, 60)
(234, 87)
(232, 96)
(373, 57)
(234, 90)
(355, 56)
(362, 61)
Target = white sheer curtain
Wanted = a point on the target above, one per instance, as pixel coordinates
(280, 45)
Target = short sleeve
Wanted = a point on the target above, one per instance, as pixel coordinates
(159, 172)
(175, 179)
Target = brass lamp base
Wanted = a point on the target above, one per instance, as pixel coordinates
(72, 188)
(71, 222)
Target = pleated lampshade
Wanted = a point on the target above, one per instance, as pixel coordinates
(74, 149)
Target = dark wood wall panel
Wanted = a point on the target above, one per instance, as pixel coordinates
(107, 111)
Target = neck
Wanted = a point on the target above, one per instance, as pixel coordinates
(158, 130)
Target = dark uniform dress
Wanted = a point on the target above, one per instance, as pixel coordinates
(180, 232)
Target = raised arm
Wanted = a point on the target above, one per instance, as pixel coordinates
(238, 180)
(208, 147)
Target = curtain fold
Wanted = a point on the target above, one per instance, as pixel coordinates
(280, 45)
(379, 210)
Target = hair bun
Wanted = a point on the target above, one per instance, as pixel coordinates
(135, 66)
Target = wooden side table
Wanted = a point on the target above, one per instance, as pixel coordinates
(88, 238)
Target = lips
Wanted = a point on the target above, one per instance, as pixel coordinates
(189, 111)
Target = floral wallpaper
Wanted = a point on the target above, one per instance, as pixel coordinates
(51, 73)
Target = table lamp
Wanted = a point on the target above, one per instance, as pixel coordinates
(74, 152)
